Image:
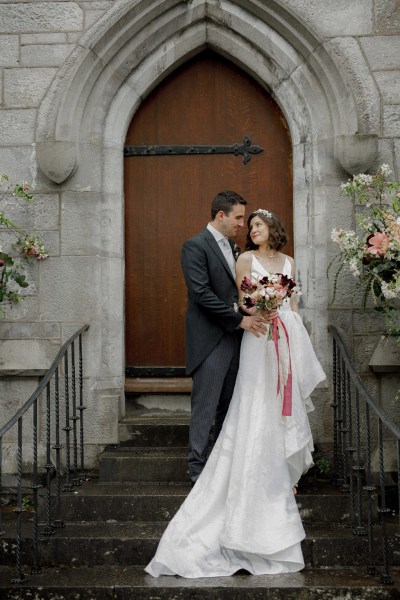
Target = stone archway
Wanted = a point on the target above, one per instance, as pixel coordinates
(84, 117)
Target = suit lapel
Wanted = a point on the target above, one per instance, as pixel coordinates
(213, 244)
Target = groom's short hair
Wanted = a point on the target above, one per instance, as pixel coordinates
(225, 201)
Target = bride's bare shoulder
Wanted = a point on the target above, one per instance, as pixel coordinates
(245, 258)
(290, 259)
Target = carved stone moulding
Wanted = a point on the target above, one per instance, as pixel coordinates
(386, 356)
(57, 160)
(357, 152)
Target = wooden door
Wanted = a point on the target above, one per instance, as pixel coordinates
(206, 101)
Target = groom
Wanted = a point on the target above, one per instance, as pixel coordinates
(213, 324)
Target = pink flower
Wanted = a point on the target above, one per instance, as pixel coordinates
(379, 243)
(280, 293)
(247, 285)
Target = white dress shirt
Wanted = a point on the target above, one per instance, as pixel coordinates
(225, 246)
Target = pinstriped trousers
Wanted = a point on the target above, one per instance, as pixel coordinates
(213, 385)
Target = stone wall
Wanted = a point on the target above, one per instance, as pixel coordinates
(73, 74)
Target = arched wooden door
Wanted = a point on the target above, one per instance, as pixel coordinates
(206, 101)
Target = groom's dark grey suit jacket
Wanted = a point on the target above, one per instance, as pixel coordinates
(212, 293)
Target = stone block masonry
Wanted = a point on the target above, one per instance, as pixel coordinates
(40, 17)
(45, 55)
(9, 50)
(25, 88)
(17, 126)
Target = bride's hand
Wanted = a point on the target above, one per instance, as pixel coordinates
(269, 315)
(256, 324)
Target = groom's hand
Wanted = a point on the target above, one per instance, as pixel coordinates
(256, 324)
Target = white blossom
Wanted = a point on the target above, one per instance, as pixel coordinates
(388, 291)
(347, 240)
(385, 169)
(354, 267)
(335, 235)
(363, 179)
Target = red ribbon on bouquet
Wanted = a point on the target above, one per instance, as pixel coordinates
(287, 390)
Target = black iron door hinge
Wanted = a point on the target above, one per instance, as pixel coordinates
(245, 149)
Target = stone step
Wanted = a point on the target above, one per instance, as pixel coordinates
(174, 400)
(126, 464)
(127, 543)
(94, 501)
(132, 463)
(131, 583)
(153, 430)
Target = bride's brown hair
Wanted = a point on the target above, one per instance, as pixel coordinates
(278, 237)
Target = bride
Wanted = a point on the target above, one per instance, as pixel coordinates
(242, 513)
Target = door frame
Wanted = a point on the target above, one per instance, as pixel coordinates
(155, 159)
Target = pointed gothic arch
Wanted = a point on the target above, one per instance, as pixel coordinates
(136, 44)
(84, 117)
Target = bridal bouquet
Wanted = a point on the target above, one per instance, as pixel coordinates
(269, 292)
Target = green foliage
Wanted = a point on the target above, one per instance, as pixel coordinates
(337, 258)
(6, 222)
(323, 466)
(12, 278)
(27, 503)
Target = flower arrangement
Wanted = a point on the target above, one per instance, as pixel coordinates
(32, 247)
(372, 253)
(269, 292)
(26, 246)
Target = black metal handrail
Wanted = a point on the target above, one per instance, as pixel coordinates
(352, 446)
(70, 402)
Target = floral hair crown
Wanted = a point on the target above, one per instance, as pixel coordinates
(264, 212)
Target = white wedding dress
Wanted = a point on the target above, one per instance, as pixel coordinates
(242, 513)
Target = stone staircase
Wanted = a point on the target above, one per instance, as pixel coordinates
(114, 522)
